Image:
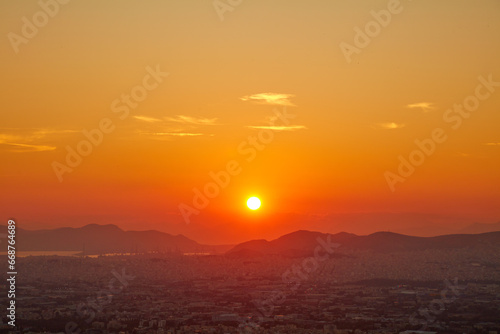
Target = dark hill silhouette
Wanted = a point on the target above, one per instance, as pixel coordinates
(304, 242)
(97, 239)
(295, 244)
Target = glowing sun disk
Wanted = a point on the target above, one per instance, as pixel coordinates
(253, 203)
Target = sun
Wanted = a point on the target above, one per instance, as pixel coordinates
(253, 203)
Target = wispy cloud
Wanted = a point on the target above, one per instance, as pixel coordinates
(20, 140)
(390, 125)
(4, 138)
(462, 154)
(20, 148)
(424, 106)
(147, 119)
(279, 127)
(170, 135)
(192, 120)
(492, 144)
(270, 98)
(175, 126)
(178, 134)
(30, 134)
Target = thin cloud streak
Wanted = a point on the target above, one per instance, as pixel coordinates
(28, 135)
(390, 125)
(179, 134)
(22, 148)
(25, 140)
(424, 106)
(192, 120)
(462, 154)
(278, 128)
(147, 119)
(160, 129)
(270, 98)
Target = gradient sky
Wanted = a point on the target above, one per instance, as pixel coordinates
(325, 170)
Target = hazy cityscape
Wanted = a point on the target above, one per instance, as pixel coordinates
(442, 291)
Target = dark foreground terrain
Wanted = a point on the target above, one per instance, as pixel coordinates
(440, 290)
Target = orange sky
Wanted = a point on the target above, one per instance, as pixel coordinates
(324, 169)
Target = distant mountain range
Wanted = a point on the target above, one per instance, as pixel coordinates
(101, 239)
(303, 243)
